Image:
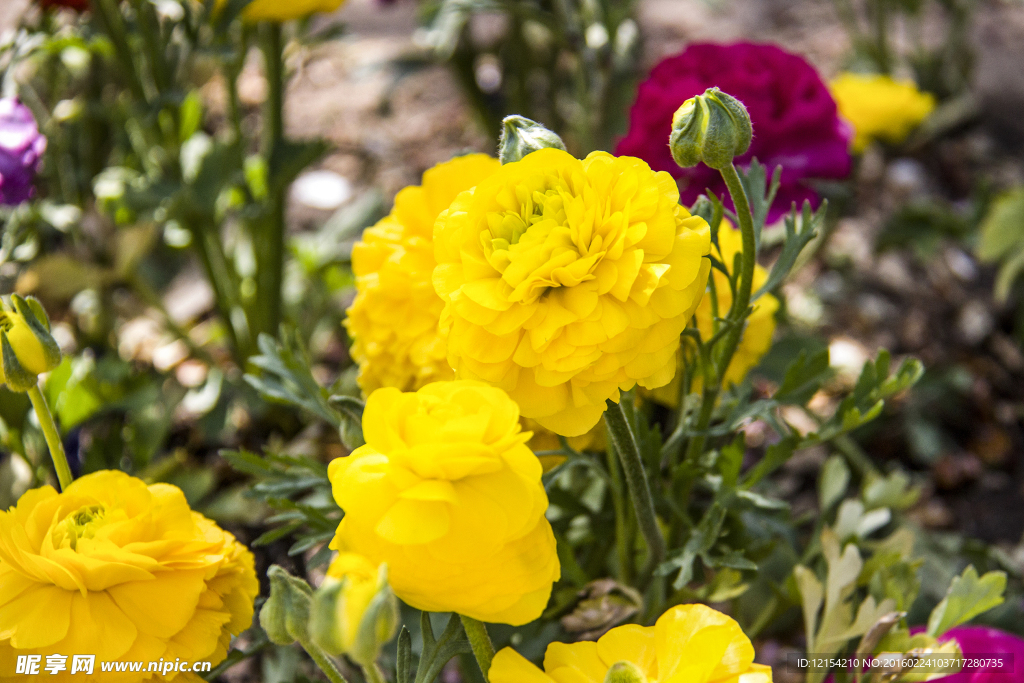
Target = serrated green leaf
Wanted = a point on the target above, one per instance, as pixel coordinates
(832, 482)
(967, 597)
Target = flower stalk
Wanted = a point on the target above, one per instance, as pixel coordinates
(52, 436)
(636, 481)
(480, 641)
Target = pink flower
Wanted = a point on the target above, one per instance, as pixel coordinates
(983, 641)
(21, 146)
(796, 124)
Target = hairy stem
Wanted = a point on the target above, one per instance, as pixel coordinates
(480, 641)
(636, 482)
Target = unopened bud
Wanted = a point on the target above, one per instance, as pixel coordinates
(713, 128)
(354, 611)
(27, 349)
(285, 614)
(520, 136)
(625, 672)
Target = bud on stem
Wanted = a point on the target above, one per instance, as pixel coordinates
(713, 128)
(520, 136)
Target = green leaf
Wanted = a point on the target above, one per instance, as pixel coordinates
(1002, 230)
(803, 378)
(810, 223)
(967, 597)
(832, 482)
(812, 594)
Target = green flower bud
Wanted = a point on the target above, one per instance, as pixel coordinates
(713, 128)
(26, 345)
(354, 611)
(625, 672)
(285, 614)
(520, 136)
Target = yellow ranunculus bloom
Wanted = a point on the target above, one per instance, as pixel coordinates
(880, 107)
(448, 495)
(283, 10)
(393, 320)
(568, 281)
(757, 335)
(122, 570)
(688, 644)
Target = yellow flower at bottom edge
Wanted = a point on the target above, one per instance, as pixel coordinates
(568, 281)
(121, 570)
(448, 495)
(283, 10)
(688, 644)
(880, 107)
(760, 326)
(393, 319)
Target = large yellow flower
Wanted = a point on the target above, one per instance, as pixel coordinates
(122, 570)
(688, 644)
(446, 493)
(880, 107)
(393, 320)
(566, 281)
(760, 326)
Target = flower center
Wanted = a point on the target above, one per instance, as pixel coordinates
(546, 238)
(82, 523)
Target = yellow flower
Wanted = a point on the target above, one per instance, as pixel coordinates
(121, 570)
(688, 644)
(880, 107)
(757, 335)
(447, 494)
(568, 281)
(354, 610)
(393, 320)
(283, 10)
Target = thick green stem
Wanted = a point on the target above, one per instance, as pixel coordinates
(60, 460)
(480, 641)
(323, 662)
(636, 481)
(736, 312)
(270, 246)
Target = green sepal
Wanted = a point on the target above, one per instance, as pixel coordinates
(285, 614)
(521, 136)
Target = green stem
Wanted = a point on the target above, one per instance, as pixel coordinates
(60, 460)
(483, 649)
(323, 662)
(636, 481)
(270, 246)
(622, 541)
(373, 673)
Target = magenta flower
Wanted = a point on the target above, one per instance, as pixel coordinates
(796, 124)
(981, 640)
(21, 146)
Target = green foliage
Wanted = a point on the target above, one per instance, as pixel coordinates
(1002, 240)
(968, 596)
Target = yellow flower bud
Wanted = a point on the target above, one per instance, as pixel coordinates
(879, 107)
(28, 349)
(354, 611)
(713, 128)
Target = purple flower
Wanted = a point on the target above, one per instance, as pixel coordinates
(21, 146)
(796, 124)
(984, 641)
